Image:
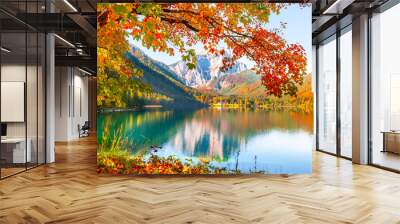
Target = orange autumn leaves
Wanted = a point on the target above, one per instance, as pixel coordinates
(137, 165)
(238, 28)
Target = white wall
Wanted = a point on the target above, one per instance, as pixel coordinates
(80, 111)
(71, 102)
(12, 73)
(34, 125)
(62, 82)
(13, 100)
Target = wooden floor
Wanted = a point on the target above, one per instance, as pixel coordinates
(387, 159)
(70, 191)
(5, 172)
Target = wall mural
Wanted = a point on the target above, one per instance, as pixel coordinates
(204, 88)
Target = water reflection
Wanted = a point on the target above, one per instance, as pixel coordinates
(274, 142)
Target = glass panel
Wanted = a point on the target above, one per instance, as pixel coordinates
(31, 98)
(32, 85)
(327, 96)
(386, 89)
(41, 99)
(13, 86)
(23, 85)
(346, 94)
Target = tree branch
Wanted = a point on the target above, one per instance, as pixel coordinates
(184, 22)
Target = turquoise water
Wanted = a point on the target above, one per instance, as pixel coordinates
(249, 141)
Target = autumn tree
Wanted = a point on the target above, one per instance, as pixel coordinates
(218, 27)
(116, 75)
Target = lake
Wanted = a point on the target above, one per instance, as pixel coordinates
(249, 141)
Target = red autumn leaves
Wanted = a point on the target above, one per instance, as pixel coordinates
(238, 28)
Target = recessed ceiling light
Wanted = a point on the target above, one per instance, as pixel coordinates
(5, 50)
(84, 71)
(64, 40)
(70, 5)
(337, 7)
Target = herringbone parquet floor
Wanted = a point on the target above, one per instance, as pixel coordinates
(70, 191)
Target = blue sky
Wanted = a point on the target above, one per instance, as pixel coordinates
(298, 30)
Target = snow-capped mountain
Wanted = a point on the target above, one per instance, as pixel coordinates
(208, 68)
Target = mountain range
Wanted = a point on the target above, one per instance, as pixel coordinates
(162, 80)
(208, 68)
(178, 82)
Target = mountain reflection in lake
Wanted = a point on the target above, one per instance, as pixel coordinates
(250, 141)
